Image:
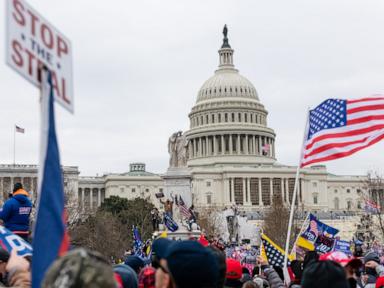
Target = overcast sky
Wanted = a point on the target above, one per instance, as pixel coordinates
(138, 66)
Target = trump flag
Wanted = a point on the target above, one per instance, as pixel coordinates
(50, 238)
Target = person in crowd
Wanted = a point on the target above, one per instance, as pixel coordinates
(4, 257)
(245, 277)
(147, 277)
(270, 274)
(184, 264)
(372, 270)
(297, 270)
(80, 268)
(320, 274)
(222, 266)
(233, 274)
(16, 211)
(250, 284)
(155, 219)
(127, 275)
(135, 262)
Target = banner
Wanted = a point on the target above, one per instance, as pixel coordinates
(10, 241)
(317, 228)
(343, 246)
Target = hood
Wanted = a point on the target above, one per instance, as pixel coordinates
(21, 198)
(20, 192)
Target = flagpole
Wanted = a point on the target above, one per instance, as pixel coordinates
(305, 223)
(294, 195)
(14, 145)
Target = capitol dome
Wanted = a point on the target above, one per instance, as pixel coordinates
(227, 83)
(228, 123)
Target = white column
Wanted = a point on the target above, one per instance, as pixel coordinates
(254, 145)
(271, 188)
(222, 145)
(238, 144)
(230, 144)
(246, 144)
(190, 150)
(287, 192)
(12, 183)
(226, 192)
(91, 198)
(245, 200)
(260, 152)
(249, 190)
(282, 189)
(82, 198)
(200, 147)
(260, 194)
(207, 152)
(98, 197)
(233, 190)
(214, 145)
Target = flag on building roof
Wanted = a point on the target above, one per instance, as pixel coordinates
(50, 238)
(266, 147)
(19, 129)
(338, 128)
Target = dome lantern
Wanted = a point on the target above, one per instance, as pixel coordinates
(226, 52)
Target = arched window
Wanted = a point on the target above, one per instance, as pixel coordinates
(336, 203)
(315, 198)
(349, 204)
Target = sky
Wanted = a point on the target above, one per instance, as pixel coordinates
(138, 66)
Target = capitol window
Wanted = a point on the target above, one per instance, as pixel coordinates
(226, 117)
(207, 120)
(239, 117)
(219, 118)
(233, 117)
(147, 190)
(122, 189)
(348, 190)
(208, 184)
(133, 190)
(245, 117)
(209, 199)
(315, 199)
(213, 118)
(335, 191)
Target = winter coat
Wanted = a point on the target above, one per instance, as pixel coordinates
(16, 210)
(273, 278)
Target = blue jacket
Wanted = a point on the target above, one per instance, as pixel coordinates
(15, 212)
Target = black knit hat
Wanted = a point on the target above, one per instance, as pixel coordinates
(324, 274)
(17, 186)
(371, 256)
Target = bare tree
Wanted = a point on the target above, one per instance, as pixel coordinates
(375, 190)
(209, 221)
(276, 223)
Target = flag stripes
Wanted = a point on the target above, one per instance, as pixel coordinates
(339, 128)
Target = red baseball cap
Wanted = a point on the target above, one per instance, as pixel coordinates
(234, 270)
(342, 259)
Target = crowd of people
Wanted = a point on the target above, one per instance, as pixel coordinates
(183, 264)
(192, 264)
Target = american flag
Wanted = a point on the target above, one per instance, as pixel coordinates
(339, 128)
(266, 148)
(19, 129)
(183, 208)
(313, 227)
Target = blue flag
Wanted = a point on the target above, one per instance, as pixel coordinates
(50, 239)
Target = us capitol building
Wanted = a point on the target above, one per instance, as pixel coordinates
(230, 155)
